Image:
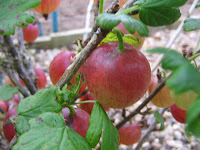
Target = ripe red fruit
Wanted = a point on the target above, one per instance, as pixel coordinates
(178, 113)
(47, 6)
(58, 66)
(130, 134)
(79, 121)
(117, 79)
(31, 32)
(8, 127)
(3, 105)
(40, 77)
(162, 98)
(88, 106)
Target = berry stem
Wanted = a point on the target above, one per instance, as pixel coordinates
(194, 57)
(83, 102)
(195, 63)
(129, 10)
(101, 6)
(120, 39)
(79, 46)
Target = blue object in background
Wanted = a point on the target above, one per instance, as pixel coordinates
(40, 27)
(55, 26)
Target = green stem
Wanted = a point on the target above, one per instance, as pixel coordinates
(58, 95)
(121, 43)
(194, 57)
(83, 102)
(196, 48)
(72, 111)
(101, 6)
(79, 46)
(195, 63)
(12, 120)
(79, 84)
(120, 39)
(129, 10)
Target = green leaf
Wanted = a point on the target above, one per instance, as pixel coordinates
(193, 119)
(184, 79)
(31, 107)
(172, 59)
(109, 21)
(128, 38)
(71, 95)
(191, 24)
(159, 119)
(185, 76)
(159, 16)
(159, 12)
(7, 92)
(198, 5)
(76, 87)
(48, 131)
(162, 50)
(161, 3)
(99, 121)
(131, 24)
(110, 139)
(13, 13)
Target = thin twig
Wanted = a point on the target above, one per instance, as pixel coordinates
(8, 69)
(149, 130)
(26, 61)
(18, 65)
(141, 106)
(175, 35)
(29, 68)
(74, 67)
(15, 79)
(21, 40)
